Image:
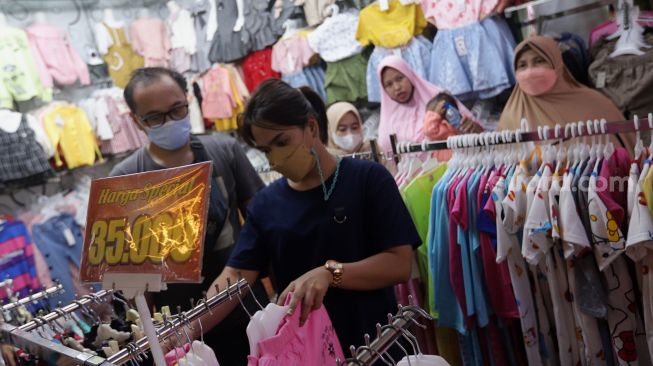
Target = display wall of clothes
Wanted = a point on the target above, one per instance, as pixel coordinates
(549, 244)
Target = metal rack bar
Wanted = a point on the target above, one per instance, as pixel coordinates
(388, 337)
(64, 310)
(611, 128)
(33, 297)
(55, 353)
(143, 345)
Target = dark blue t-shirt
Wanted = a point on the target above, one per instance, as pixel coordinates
(292, 232)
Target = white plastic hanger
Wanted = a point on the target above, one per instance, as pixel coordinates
(590, 130)
(584, 152)
(264, 324)
(419, 359)
(200, 348)
(560, 155)
(639, 146)
(609, 146)
(384, 5)
(630, 32)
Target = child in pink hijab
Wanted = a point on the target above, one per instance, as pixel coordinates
(403, 102)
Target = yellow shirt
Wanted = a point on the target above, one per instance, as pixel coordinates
(68, 129)
(647, 188)
(392, 28)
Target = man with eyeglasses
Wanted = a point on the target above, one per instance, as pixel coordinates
(159, 107)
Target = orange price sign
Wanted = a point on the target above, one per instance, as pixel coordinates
(151, 222)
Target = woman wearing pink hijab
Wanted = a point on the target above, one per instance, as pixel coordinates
(403, 103)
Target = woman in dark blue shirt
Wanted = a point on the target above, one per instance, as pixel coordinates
(333, 231)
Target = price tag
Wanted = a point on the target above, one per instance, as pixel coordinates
(58, 120)
(150, 223)
(600, 80)
(461, 48)
(291, 62)
(70, 238)
(460, 6)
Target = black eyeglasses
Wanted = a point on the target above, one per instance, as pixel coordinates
(159, 119)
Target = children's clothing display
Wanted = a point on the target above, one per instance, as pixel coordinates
(291, 55)
(183, 42)
(59, 239)
(20, 78)
(257, 67)
(449, 14)
(205, 26)
(473, 61)
(149, 38)
(21, 156)
(227, 45)
(17, 252)
(345, 80)
(479, 214)
(262, 28)
(523, 254)
(56, 60)
(623, 79)
(390, 28)
(311, 76)
(69, 131)
(335, 39)
(117, 52)
(315, 10)
(217, 100)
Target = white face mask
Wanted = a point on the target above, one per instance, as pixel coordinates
(348, 142)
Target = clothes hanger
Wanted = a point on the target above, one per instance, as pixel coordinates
(190, 358)
(256, 331)
(630, 32)
(371, 350)
(175, 347)
(418, 358)
(204, 351)
(639, 146)
(431, 162)
(609, 146)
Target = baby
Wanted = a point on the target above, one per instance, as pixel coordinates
(442, 119)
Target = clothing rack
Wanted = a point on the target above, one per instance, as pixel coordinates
(33, 297)
(172, 326)
(529, 12)
(373, 154)
(56, 353)
(397, 327)
(62, 312)
(501, 138)
(580, 9)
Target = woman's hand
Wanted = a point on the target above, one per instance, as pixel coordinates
(310, 289)
(469, 126)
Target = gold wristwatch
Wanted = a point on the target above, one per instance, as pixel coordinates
(336, 270)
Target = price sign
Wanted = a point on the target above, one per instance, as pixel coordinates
(151, 222)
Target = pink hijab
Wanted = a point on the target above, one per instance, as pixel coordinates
(406, 120)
